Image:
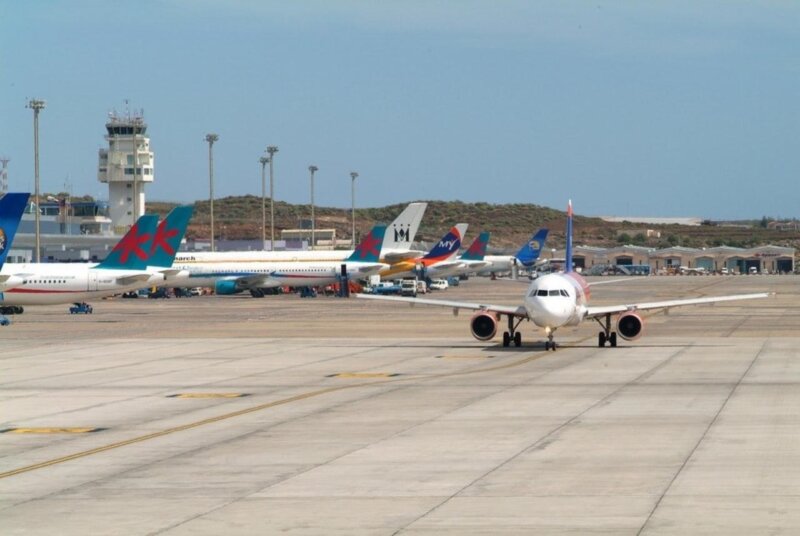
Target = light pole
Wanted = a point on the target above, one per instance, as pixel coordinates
(312, 169)
(353, 177)
(211, 138)
(272, 149)
(36, 105)
(264, 161)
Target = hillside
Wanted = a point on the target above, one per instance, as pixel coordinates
(510, 225)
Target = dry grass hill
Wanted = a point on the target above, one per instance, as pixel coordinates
(510, 225)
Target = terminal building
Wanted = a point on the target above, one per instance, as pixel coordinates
(762, 259)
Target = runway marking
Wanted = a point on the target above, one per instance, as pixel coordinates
(50, 430)
(208, 395)
(464, 357)
(268, 405)
(367, 375)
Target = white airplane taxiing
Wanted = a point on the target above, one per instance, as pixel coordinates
(558, 300)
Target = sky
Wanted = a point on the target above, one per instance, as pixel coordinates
(659, 108)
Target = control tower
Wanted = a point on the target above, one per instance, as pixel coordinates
(127, 143)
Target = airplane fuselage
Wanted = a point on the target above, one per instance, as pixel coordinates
(43, 284)
(557, 300)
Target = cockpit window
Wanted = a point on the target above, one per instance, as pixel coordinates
(541, 292)
(554, 293)
(564, 293)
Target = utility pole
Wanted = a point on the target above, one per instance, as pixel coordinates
(211, 138)
(353, 177)
(36, 105)
(272, 149)
(312, 169)
(264, 161)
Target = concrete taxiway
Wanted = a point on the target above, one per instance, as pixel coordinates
(233, 415)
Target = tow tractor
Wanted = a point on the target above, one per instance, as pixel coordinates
(80, 308)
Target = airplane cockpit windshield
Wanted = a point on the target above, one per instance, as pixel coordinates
(552, 292)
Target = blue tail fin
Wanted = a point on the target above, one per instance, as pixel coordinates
(168, 236)
(448, 245)
(477, 250)
(11, 208)
(133, 250)
(369, 249)
(529, 253)
(568, 255)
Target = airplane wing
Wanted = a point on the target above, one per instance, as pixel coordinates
(397, 256)
(593, 312)
(510, 310)
(132, 279)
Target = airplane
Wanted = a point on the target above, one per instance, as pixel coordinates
(217, 269)
(527, 256)
(474, 259)
(232, 278)
(127, 267)
(557, 300)
(433, 264)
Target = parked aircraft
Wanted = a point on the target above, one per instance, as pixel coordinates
(557, 300)
(127, 267)
(234, 277)
(527, 256)
(396, 246)
(433, 264)
(12, 205)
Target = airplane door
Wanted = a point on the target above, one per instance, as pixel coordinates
(92, 283)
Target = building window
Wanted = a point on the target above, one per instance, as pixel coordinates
(129, 185)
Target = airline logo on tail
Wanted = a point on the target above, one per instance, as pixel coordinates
(530, 252)
(168, 236)
(132, 251)
(448, 245)
(477, 250)
(12, 206)
(369, 249)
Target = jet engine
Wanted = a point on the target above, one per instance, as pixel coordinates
(629, 326)
(483, 326)
(226, 286)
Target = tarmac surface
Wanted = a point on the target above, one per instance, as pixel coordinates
(234, 415)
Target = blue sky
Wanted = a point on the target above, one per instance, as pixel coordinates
(679, 108)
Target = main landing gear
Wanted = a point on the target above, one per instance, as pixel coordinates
(606, 335)
(512, 334)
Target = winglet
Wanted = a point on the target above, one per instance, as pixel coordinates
(529, 253)
(369, 249)
(168, 236)
(12, 205)
(133, 250)
(449, 244)
(568, 254)
(477, 250)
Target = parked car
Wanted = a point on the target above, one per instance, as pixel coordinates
(439, 284)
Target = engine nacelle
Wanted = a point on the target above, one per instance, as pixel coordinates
(483, 326)
(630, 325)
(226, 286)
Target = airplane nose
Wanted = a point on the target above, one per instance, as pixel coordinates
(550, 313)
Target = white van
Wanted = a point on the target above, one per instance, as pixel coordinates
(408, 287)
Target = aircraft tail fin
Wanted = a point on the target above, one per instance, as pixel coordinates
(168, 236)
(133, 250)
(12, 205)
(369, 249)
(568, 254)
(529, 253)
(449, 244)
(403, 229)
(477, 250)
